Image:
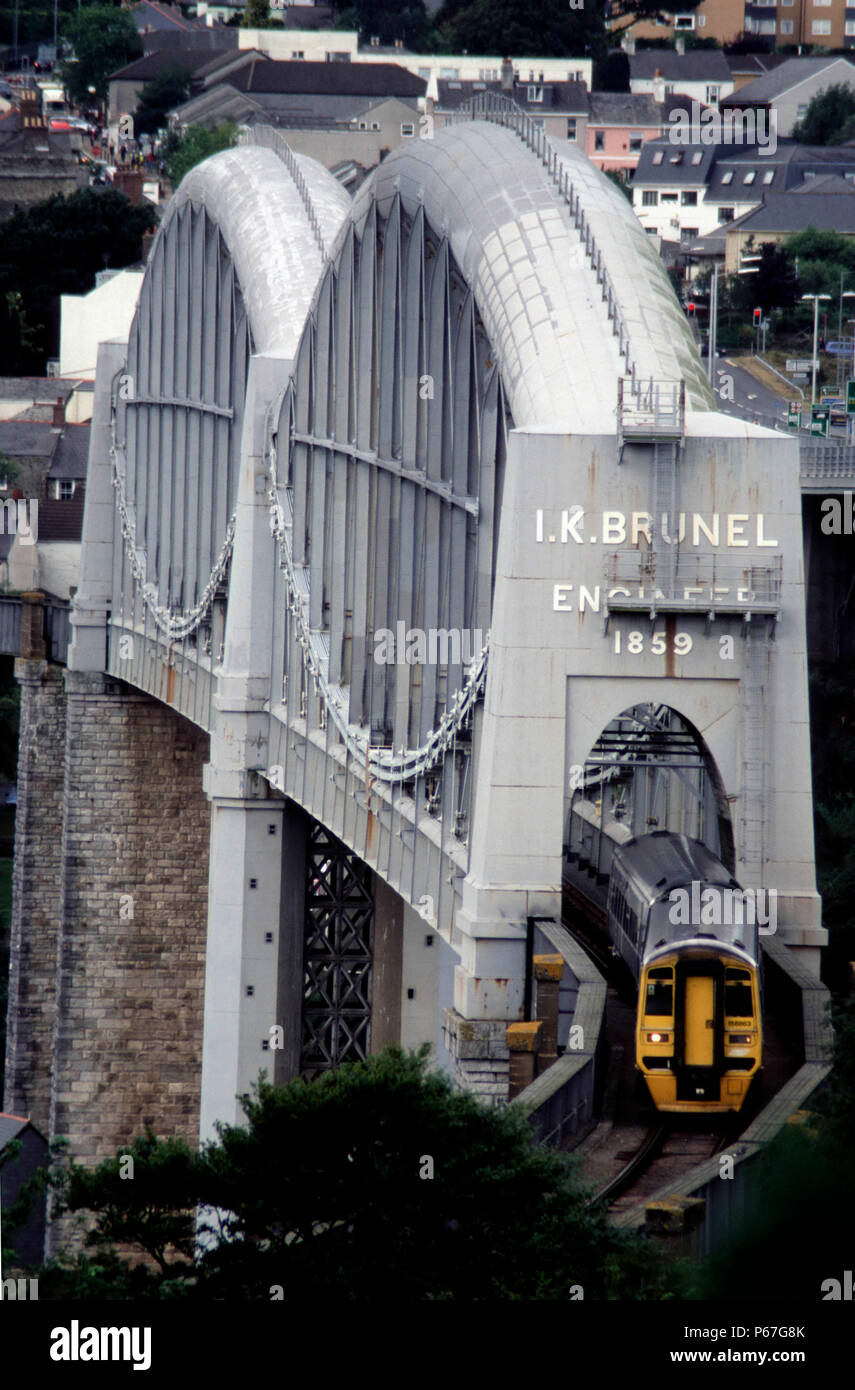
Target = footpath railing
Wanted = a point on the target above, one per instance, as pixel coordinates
(35, 624)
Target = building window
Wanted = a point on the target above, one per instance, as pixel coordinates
(535, 94)
(801, 111)
(689, 200)
(725, 214)
(849, 28)
(702, 20)
(571, 127)
(375, 125)
(658, 156)
(750, 176)
(787, 4)
(537, 121)
(821, 26)
(649, 198)
(684, 21)
(635, 144)
(488, 75)
(298, 53)
(712, 95)
(786, 26)
(599, 141)
(697, 157)
(688, 233)
(425, 74)
(449, 72)
(669, 89)
(820, 3)
(64, 489)
(338, 57)
(769, 176)
(669, 197)
(408, 128)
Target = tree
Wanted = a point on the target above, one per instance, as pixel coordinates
(257, 15)
(55, 248)
(822, 256)
(166, 91)
(199, 142)
(387, 20)
(772, 286)
(829, 119)
(550, 29)
(379, 1180)
(103, 39)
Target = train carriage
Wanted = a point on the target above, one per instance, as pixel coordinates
(688, 932)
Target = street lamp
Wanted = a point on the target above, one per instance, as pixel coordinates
(816, 298)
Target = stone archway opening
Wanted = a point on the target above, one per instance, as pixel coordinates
(650, 769)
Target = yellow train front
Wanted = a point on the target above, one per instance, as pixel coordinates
(689, 933)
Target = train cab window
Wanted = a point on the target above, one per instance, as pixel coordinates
(738, 1001)
(660, 994)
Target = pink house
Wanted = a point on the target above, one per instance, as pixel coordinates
(618, 125)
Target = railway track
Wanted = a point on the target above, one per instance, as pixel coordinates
(617, 1185)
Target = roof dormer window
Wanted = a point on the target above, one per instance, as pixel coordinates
(535, 93)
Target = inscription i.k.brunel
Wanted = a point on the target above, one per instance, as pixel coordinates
(719, 530)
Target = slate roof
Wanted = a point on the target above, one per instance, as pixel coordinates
(71, 459)
(781, 79)
(41, 389)
(153, 64)
(623, 109)
(758, 63)
(61, 521)
(698, 65)
(781, 212)
(333, 79)
(149, 14)
(561, 97)
(10, 1127)
(28, 439)
(679, 163)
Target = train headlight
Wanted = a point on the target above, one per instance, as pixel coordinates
(739, 1037)
(658, 1037)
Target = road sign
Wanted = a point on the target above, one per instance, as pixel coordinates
(793, 415)
(850, 397)
(819, 420)
(839, 349)
(801, 364)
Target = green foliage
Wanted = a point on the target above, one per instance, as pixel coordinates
(833, 761)
(800, 1198)
(35, 19)
(184, 152)
(103, 39)
(55, 248)
(160, 96)
(387, 20)
(620, 179)
(549, 29)
(324, 1192)
(773, 286)
(829, 119)
(257, 15)
(821, 257)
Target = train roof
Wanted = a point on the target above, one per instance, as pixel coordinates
(658, 862)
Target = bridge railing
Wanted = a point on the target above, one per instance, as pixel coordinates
(502, 110)
(271, 139)
(693, 581)
(827, 462)
(48, 637)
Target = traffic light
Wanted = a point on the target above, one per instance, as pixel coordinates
(757, 316)
(691, 307)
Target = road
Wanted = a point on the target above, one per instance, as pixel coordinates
(740, 393)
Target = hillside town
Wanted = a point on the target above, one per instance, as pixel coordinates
(427, 645)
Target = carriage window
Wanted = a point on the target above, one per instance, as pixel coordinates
(660, 998)
(738, 1002)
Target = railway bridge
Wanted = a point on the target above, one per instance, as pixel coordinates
(404, 516)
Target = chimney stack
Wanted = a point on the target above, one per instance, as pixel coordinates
(59, 413)
(507, 75)
(680, 44)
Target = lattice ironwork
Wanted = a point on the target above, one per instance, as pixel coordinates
(337, 956)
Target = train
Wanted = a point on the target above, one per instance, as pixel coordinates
(688, 933)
